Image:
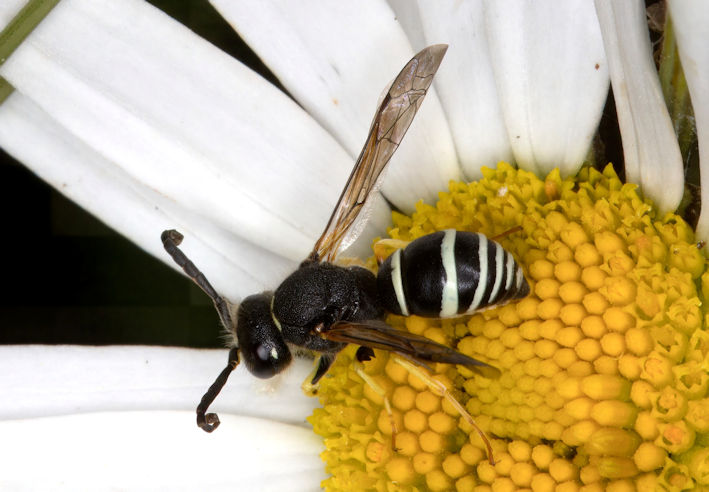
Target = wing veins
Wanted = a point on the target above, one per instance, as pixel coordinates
(377, 334)
(390, 123)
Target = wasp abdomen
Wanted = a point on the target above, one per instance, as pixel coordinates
(449, 273)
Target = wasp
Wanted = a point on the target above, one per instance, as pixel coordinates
(322, 306)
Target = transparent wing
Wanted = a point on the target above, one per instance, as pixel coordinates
(395, 114)
(379, 335)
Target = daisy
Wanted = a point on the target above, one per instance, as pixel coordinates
(149, 127)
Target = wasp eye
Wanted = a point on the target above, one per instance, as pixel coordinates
(266, 352)
(261, 343)
(266, 359)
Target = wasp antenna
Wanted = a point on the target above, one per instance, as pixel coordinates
(441, 388)
(210, 421)
(170, 241)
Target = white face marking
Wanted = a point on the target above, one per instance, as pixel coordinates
(449, 296)
(397, 282)
(480, 289)
(274, 353)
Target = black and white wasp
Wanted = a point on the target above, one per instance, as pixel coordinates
(322, 307)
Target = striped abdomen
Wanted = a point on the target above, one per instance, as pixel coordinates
(449, 273)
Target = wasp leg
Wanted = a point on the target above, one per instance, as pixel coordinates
(509, 231)
(364, 354)
(384, 247)
(210, 421)
(312, 382)
(359, 369)
(348, 261)
(441, 388)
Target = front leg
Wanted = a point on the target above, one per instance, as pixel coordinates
(311, 383)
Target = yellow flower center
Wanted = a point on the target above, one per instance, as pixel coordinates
(604, 366)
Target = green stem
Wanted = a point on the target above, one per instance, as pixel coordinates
(5, 89)
(17, 30)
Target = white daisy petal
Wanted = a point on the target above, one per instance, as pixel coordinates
(338, 70)
(466, 83)
(183, 119)
(134, 443)
(42, 381)
(552, 79)
(157, 451)
(691, 21)
(650, 148)
(9, 9)
(409, 17)
(234, 266)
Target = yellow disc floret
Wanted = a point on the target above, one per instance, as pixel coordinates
(605, 365)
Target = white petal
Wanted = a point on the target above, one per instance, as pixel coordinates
(650, 148)
(466, 83)
(552, 79)
(336, 58)
(408, 16)
(691, 21)
(234, 266)
(157, 451)
(40, 380)
(8, 10)
(183, 119)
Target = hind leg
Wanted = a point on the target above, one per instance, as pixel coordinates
(442, 390)
(369, 381)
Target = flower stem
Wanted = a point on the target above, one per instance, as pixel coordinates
(17, 30)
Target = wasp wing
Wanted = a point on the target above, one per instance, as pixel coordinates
(392, 119)
(379, 335)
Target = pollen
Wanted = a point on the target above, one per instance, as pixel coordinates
(604, 367)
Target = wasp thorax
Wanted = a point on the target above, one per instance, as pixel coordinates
(261, 343)
(318, 295)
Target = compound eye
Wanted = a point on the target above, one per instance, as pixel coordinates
(261, 343)
(265, 359)
(266, 352)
